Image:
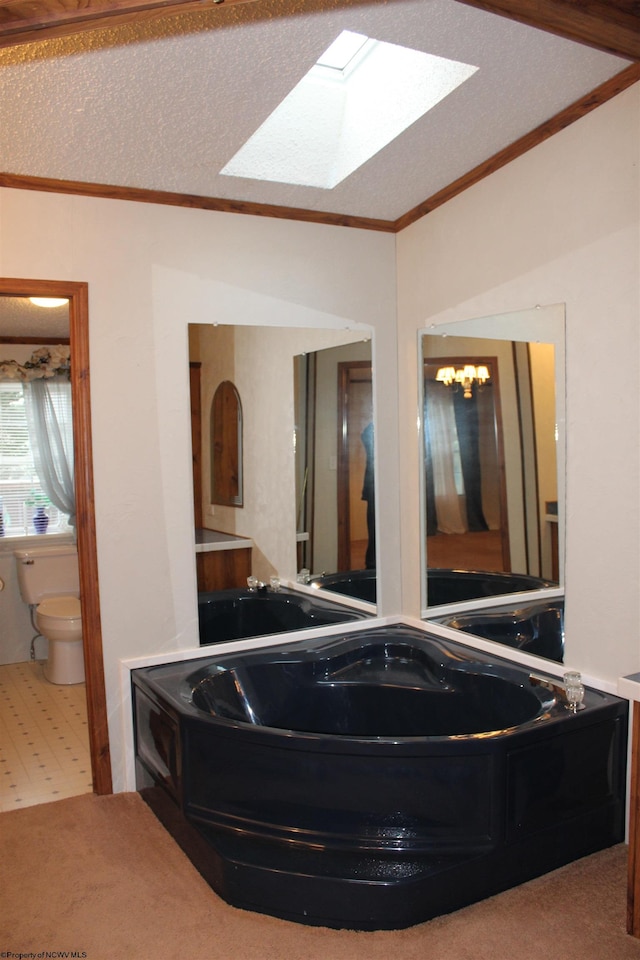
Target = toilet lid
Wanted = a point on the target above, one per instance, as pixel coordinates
(64, 608)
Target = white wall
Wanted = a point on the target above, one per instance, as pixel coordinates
(558, 225)
(151, 270)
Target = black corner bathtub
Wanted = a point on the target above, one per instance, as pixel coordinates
(443, 585)
(237, 614)
(536, 628)
(377, 779)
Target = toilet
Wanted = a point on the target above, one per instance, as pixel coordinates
(48, 580)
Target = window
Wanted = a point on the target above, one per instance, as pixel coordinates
(21, 493)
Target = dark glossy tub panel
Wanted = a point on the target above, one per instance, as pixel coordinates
(443, 585)
(341, 824)
(454, 586)
(536, 628)
(238, 614)
(344, 802)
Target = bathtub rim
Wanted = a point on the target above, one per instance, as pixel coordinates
(126, 665)
(550, 712)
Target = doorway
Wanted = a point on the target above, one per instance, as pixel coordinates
(77, 294)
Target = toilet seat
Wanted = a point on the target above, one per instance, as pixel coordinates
(61, 608)
(59, 618)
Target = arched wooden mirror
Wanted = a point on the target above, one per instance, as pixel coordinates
(226, 446)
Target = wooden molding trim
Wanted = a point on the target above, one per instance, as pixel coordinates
(35, 340)
(139, 195)
(612, 26)
(22, 21)
(565, 118)
(86, 532)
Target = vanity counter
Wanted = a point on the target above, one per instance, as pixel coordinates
(210, 540)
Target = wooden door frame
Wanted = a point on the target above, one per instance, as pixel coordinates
(347, 373)
(78, 295)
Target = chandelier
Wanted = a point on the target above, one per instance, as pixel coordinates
(465, 376)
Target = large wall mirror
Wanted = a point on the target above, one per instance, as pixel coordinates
(306, 398)
(492, 440)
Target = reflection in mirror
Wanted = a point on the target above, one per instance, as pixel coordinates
(226, 446)
(334, 460)
(463, 453)
(493, 472)
(301, 506)
(485, 484)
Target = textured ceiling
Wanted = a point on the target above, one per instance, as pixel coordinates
(163, 104)
(19, 318)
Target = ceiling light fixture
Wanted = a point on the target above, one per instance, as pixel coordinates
(49, 302)
(465, 376)
(359, 96)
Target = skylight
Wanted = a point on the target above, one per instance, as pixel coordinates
(342, 51)
(359, 96)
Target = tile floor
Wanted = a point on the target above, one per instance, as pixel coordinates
(44, 746)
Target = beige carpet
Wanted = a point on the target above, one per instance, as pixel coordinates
(100, 876)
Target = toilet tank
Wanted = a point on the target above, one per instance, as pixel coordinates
(48, 571)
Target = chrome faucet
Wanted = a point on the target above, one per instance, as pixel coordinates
(258, 586)
(571, 692)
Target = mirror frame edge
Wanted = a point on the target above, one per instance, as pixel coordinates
(78, 295)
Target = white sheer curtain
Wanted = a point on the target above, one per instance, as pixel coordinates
(48, 410)
(450, 513)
